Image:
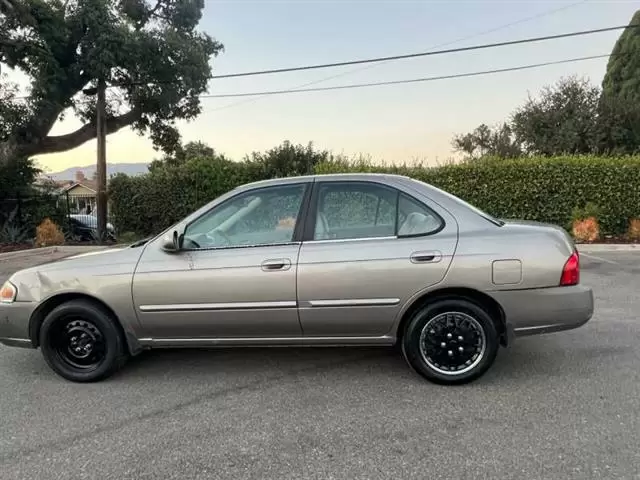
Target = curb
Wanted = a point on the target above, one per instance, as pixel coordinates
(609, 247)
(43, 251)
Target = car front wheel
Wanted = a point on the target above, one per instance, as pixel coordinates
(81, 342)
(451, 341)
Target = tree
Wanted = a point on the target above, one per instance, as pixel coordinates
(286, 160)
(183, 153)
(498, 142)
(563, 120)
(622, 78)
(619, 108)
(154, 61)
(618, 126)
(16, 177)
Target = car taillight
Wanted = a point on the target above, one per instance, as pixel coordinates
(571, 271)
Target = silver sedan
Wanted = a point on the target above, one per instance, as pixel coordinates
(328, 260)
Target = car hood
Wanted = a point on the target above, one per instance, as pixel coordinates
(95, 259)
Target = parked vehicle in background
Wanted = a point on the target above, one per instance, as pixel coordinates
(84, 228)
(335, 260)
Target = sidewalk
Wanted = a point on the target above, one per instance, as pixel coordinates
(609, 247)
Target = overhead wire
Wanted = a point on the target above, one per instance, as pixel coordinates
(413, 55)
(412, 80)
(428, 53)
(438, 45)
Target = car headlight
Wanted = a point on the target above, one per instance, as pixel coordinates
(8, 293)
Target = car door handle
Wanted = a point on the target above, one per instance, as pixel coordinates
(276, 264)
(426, 257)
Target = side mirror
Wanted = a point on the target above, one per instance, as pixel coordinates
(172, 242)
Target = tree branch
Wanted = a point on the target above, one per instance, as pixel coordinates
(155, 9)
(61, 143)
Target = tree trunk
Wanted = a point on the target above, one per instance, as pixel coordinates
(9, 150)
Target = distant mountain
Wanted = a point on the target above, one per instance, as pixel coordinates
(88, 171)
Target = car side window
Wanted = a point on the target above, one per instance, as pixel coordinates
(266, 216)
(355, 210)
(414, 218)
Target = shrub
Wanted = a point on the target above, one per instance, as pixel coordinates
(48, 234)
(11, 232)
(590, 210)
(586, 230)
(584, 225)
(633, 233)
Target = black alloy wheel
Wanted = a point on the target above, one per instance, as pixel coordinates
(451, 341)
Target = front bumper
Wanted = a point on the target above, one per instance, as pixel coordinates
(545, 310)
(14, 323)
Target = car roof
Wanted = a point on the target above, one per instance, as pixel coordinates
(323, 177)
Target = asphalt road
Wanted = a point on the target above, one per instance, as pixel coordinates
(560, 406)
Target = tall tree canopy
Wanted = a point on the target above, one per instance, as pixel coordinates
(562, 120)
(619, 108)
(622, 79)
(152, 57)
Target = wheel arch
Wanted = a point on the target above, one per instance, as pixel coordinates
(41, 312)
(493, 308)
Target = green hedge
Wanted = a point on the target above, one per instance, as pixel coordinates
(543, 189)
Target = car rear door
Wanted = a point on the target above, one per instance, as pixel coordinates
(367, 249)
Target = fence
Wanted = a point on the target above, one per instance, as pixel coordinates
(74, 214)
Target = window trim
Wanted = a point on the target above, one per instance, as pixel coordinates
(312, 212)
(297, 231)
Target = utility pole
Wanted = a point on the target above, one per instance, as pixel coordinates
(101, 167)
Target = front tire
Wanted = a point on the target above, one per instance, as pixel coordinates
(81, 342)
(451, 341)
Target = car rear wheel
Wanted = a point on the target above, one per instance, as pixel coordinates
(81, 342)
(451, 341)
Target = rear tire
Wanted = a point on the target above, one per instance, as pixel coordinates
(451, 341)
(81, 342)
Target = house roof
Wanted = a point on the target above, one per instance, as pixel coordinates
(75, 185)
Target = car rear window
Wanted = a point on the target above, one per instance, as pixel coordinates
(476, 210)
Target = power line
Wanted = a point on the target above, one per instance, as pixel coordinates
(426, 54)
(413, 80)
(439, 45)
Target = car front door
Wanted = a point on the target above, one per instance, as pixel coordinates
(235, 277)
(368, 248)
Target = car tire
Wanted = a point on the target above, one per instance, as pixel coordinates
(81, 342)
(451, 341)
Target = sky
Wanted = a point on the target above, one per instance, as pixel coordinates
(405, 123)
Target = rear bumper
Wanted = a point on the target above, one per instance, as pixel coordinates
(14, 324)
(545, 310)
